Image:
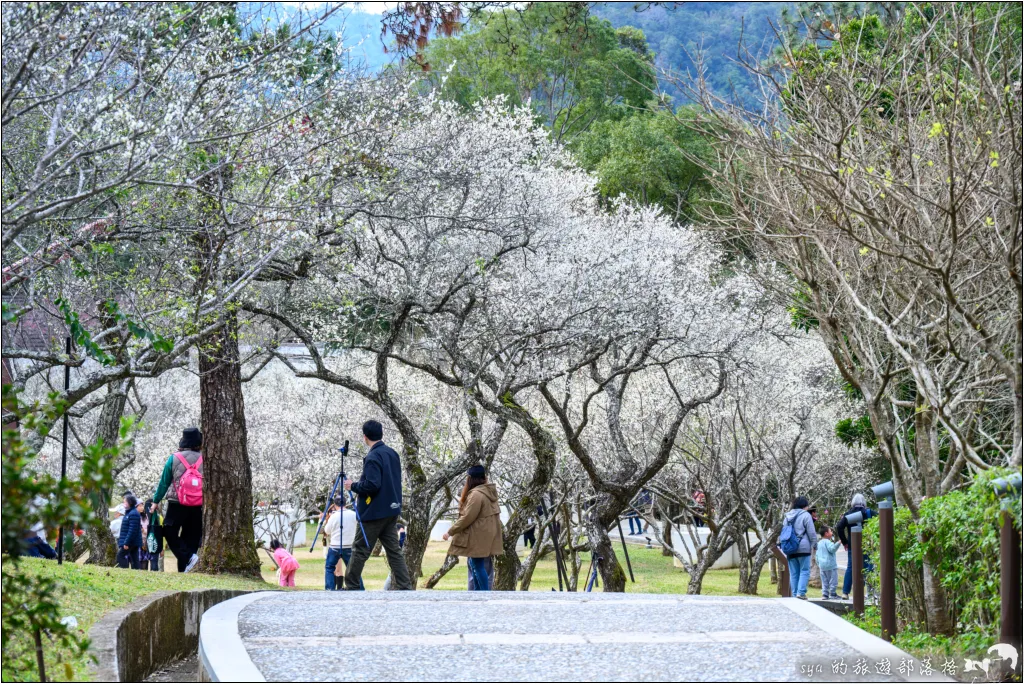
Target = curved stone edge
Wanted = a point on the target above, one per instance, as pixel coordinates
(134, 641)
(222, 655)
(874, 648)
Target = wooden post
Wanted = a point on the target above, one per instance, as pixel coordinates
(64, 448)
(1009, 582)
(783, 564)
(857, 558)
(887, 569)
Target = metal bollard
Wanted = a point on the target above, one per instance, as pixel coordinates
(857, 558)
(887, 569)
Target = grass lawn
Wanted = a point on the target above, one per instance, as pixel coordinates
(654, 573)
(92, 591)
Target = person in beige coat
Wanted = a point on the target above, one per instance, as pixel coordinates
(477, 533)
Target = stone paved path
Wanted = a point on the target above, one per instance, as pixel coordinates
(460, 636)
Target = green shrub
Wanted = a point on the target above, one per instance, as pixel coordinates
(30, 611)
(959, 531)
(971, 644)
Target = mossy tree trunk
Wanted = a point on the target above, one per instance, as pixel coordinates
(229, 543)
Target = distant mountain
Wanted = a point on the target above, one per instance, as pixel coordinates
(361, 34)
(675, 31)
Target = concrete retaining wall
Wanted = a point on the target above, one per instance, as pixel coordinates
(681, 538)
(133, 642)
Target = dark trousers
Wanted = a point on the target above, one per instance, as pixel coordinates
(128, 558)
(529, 537)
(848, 576)
(154, 562)
(385, 529)
(183, 531)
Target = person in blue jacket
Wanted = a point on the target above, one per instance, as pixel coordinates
(378, 504)
(129, 541)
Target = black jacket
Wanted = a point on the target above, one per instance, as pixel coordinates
(379, 490)
(843, 527)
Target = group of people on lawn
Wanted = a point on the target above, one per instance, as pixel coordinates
(350, 535)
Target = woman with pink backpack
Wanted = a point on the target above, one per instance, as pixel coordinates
(182, 482)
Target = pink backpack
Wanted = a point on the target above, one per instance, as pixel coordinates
(190, 486)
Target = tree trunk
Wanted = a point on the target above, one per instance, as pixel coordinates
(613, 577)
(531, 561)
(449, 563)
(936, 603)
(228, 539)
(666, 535)
(718, 542)
(416, 513)
(815, 578)
(507, 567)
(762, 555)
(101, 543)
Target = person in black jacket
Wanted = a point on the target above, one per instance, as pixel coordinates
(378, 504)
(130, 540)
(857, 504)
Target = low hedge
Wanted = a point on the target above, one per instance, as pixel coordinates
(960, 530)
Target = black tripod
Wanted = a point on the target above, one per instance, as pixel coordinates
(338, 481)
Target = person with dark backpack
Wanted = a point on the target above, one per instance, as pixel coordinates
(182, 482)
(797, 540)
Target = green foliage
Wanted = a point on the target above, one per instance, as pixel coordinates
(648, 157)
(959, 534)
(574, 68)
(922, 645)
(31, 604)
(80, 334)
(800, 311)
(162, 344)
(856, 432)
(83, 339)
(593, 86)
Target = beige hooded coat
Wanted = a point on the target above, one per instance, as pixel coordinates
(477, 532)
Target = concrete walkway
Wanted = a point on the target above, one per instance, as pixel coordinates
(533, 636)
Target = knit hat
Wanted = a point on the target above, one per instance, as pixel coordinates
(191, 438)
(476, 471)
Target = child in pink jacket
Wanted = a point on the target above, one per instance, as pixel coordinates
(286, 563)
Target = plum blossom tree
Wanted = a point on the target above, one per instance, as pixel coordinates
(883, 172)
(164, 160)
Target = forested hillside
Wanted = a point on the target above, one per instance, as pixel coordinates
(677, 31)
